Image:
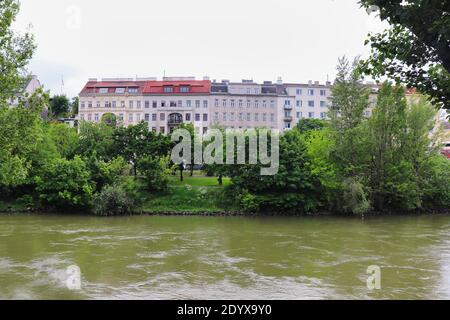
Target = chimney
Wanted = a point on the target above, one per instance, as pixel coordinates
(280, 80)
(310, 83)
(205, 78)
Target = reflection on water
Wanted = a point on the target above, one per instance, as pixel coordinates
(224, 258)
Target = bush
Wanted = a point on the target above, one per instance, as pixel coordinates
(355, 198)
(156, 172)
(113, 200)
(65, 183)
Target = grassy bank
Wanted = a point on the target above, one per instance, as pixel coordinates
(197, 194)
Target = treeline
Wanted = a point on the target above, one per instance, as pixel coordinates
(352, 164)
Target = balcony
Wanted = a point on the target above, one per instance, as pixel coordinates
(288, 118)
(287, 107)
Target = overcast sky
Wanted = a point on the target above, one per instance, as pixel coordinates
(232, 39)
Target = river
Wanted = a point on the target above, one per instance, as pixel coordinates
(223, 257)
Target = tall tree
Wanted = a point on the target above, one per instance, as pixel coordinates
(15, 52)
(415, 50)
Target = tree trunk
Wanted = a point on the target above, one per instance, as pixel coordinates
(220, 180)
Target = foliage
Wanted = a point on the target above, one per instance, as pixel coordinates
(113, 200)
(415, 49)
(95, 140)
(65, 139)
(307, 125)
(355, 198)
(65, 183)
(74, 105)
(156, 172)
(15, 53)
(106, 172)
(109, 119)
(60, 106)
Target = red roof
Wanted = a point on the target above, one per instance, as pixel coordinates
(150, 87)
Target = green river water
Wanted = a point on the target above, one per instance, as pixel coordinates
(224, 257)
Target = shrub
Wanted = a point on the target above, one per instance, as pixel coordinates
(156, 172)
(65, 183)
(355, 198)
(113, 200)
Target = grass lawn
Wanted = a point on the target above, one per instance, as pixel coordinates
(194, 194)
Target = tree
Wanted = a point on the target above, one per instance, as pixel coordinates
(65, 139)
(155, 171)
(109, 119)
(415, 49)
(65, 183)
(74, 106)
(95, 140)
(305, 125)
(15, 53)
(349, 99)
(60, 105)
(136, 141)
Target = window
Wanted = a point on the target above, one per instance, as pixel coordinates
(272, 104)
(188, 103)
(188, 117)
(216, 116)
(299, 103)
(162, 116)
(232, 103)
(322, 92)
(120, 116)
(240, 103)
(130, 103)
(89, 117)
(197, 103)
(298, 115)
(163, 104)
(147, 117)
(311, 103)
(82, 105)
(248, 103)
(256, 104)
(106, 104)
(173, 103)
(98, 104)
(264, 117)
(96, 117)
(322, 115)
(299, 92)
(224, 102)
(180, 103)
(130, 117)
(205, 103)
(197, 117)
(205, 130)
(138, 117)
(310, 92)
(272, 117)
(147, 104)
(81, 117)
(162, 130)
(249, 117)
(132, 90)
(120, 90)
(323, 104)
(216, 102)
(205, 117)
(113, 104)
(264, 104)
(154, 115)
(184, 89)
(168, 89)
(138, 104)
(256, 117)
(103, 90)
(224, 116)
(90, 104)
(232, 116)
(240, 116)
(310, 115)
(122, 104)
(154, 104)
(287, 102)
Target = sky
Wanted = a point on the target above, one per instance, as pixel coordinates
(297, 40)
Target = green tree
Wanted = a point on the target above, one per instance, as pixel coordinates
(156, 172)
(95, 140)
(65, 139)
(305, 125)
(415, 49)
(65, 184)
(74, 105)
(60, 106)
(15, 53)
(109, 119)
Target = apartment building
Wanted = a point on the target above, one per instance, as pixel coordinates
(171, 101)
